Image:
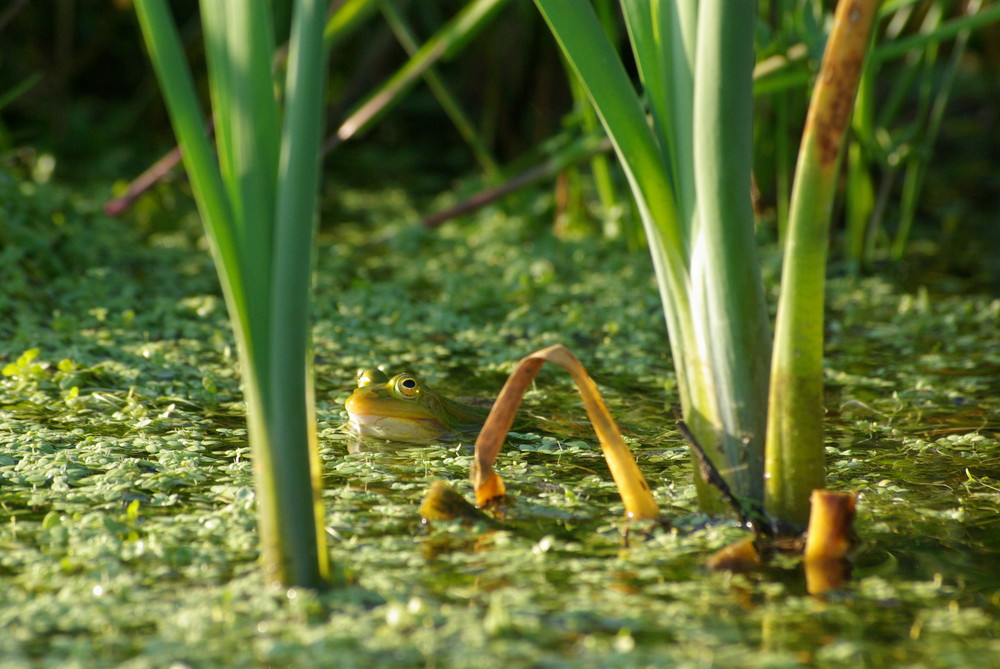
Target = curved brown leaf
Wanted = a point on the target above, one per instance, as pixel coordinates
(632, 486)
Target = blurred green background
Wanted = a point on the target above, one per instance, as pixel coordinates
(79, 104)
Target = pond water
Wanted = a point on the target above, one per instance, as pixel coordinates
(129, 535)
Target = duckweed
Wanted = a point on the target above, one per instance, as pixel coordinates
(128, 537)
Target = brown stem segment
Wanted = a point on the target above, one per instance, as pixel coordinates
(830, 535)
(144, 182)
(829, 540)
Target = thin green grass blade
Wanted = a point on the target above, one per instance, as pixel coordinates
(680, 71)
(917, 164)
(858, 208)
(214, 21)
(449, 103)
(947, 31)
(346, 19)
(615, 221)
(19, 89)
(649, 32)
(449, 40)
(914, 72)
(600, 167)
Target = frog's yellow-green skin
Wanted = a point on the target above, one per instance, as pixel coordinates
(404, 409)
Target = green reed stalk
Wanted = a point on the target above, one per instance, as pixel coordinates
(258, 205)
(689, 170)
(738, 331)
(794, 461)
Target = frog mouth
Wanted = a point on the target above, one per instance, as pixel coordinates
(394, 428)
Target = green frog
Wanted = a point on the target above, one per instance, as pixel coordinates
(405, 409)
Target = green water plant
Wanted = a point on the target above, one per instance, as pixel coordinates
(720, 350)
(794, 456)
(894, 134)
(686, 149)
(449, 40)
(435, 82)
(256, 191)
(346, 19)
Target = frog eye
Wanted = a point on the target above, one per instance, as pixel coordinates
(371, 377)
(407, 385)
